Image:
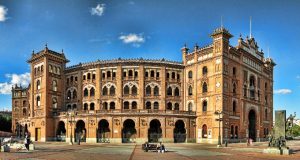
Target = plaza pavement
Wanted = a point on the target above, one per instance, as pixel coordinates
(64, 151)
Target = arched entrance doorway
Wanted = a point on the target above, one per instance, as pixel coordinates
(155, 131)
(103, 131)
(179, 132)
(61, 132)
(80, 131)
(252, 125)
(128, 131)
(204, 131)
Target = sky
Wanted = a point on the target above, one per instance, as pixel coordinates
(91, 30)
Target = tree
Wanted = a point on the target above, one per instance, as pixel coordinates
(5, 123)
(296, 130)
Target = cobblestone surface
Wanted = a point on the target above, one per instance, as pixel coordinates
(64, 151)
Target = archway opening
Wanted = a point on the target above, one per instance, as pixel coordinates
(155, 131)
(103, 133)
(80, 131)
(128, 131)
(179, 132)
(252, 125)
(61, 132)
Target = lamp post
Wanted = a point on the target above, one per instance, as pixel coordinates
(71, 116)
(219, 113)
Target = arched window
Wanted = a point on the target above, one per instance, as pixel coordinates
(93, 76)
(136, 74)
(92, 106)
(168, 75)
(190, 74)
(176, 91)
(92, 92)
(156, 105)
(126, 90)
(234, 88)
(204, 70)
(71, 79)
(173, 75)
(88, 76)
(108, 74)
(204, 106)
(148, 91)
(156, 91)
(74, 94)
(134, 105)
(104, 106)
(152, 73)
(126, 105)
(178, 76)
(204, 87)
(234, 71)
(54, 103)
(69, 94)
(266, 86)
(84, 77)
(252, 81)
(190, 106)
(85, 92)
(148, 105)
(104, 91)
(24, 103)
(69, 107)
(112, 105)
(130, 73)
(85, 106)
(54, 85)
(234, 107)
(266, 114)
(146, 74)
(190, 91)
(24, 111)
(38, 101)
(169, 106)
(169, 91)
(112, 90)
(176, 107)
(74, 106)
(38, 84)
(134, 90)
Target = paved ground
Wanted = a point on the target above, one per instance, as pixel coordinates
(63, 151)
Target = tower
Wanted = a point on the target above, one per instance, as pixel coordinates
(46, 92)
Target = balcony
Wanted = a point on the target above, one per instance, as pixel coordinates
(132, 112)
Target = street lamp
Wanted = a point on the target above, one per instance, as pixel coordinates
(219, 113)
(71, 115)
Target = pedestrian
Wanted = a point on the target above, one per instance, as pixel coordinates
(26, 140)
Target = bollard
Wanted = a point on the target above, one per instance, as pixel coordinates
(226, 143)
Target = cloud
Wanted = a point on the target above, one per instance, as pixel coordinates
(283, 91)
(20, 79)
(135, 39)
(3, 12)
(298, 77)
(98, 10)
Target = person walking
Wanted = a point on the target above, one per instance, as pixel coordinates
(27, 141)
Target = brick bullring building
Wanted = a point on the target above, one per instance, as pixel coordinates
(138, 100)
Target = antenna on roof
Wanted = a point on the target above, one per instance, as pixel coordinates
(250, 27)
(221, 21)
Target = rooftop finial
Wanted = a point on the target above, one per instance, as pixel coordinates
(33, 52)
(46, 45)
(250, 27)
